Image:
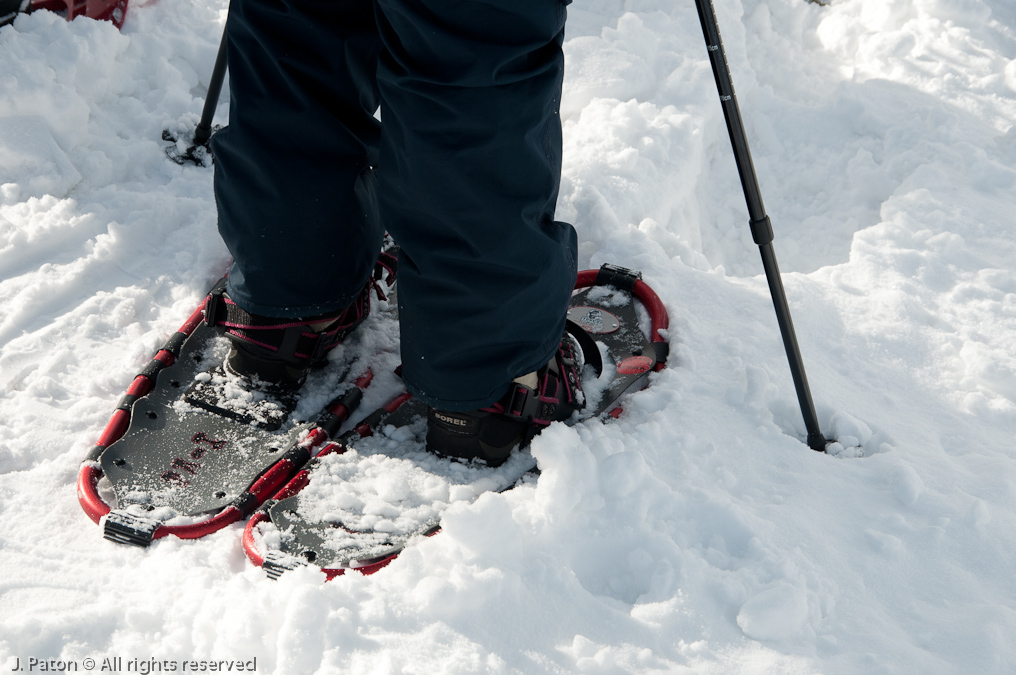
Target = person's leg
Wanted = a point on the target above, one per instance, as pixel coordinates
(468, 182)
(292, 181)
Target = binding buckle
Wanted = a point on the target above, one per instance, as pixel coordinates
(214, 302)
(531, 405)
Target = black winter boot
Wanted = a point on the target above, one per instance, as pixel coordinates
(533, 401)
(276, 354)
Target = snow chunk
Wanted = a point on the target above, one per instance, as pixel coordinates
(31, 160)
(906, 484)
(774, 614)
(849, 430)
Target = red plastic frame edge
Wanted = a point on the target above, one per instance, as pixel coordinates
(114, 11)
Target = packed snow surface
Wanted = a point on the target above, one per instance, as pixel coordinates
(698, 533)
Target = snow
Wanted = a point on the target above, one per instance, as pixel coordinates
(389, 484)
(697, 534)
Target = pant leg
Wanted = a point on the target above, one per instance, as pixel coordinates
(292, 181)
(468, 179)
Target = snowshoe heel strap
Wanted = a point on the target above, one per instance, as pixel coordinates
(590, 352)
(387, 266)
(299, 342)
(558, 393)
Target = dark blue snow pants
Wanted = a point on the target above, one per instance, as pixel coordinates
(464, 173)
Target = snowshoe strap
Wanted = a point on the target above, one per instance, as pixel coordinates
(387, 265)
(300, 342)
(557, 395)
(590, 352)
(385, 268)
(293, 341)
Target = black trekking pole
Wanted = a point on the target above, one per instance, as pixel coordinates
(203, 131)
(761, 227)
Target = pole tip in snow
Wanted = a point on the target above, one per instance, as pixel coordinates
(196, 150)
(817, 442)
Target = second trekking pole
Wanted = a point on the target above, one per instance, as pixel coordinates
(761, 227)
(203, 131)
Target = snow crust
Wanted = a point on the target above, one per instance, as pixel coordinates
(697, 534)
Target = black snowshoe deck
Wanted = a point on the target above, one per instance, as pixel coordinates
(191, 449)
(337, 527)
(180, 460)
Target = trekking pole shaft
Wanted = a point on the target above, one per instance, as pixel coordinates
(204, 129)
(816, 441)
(761, 227)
